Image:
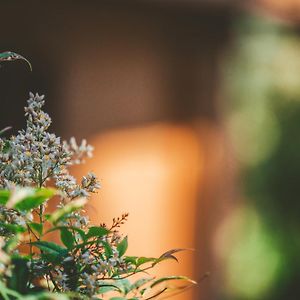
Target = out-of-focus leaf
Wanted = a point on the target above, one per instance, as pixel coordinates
(32, 198)
(67, 209)
(122, 246)
(124, 285)
(5, 292)
(12, 228)
(12, 243)
(6, 147)
(139, 283)
(5, 130)
(143, 260)
(4, 196)
(131, 259)
(20, 275)
(106, 287)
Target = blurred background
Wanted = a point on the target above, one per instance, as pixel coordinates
(193, 107)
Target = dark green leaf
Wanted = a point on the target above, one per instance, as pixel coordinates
(67, 238)
(6, 147)
(50, 257)
(107, 249)
(72, 228)
(122, 246)
(51, 248)
(20, 275)
(96, 231)
(37, 227)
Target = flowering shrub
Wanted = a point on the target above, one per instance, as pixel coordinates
(89, 262)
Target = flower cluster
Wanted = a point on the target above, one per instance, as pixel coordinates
(89, 260)
(34, 156)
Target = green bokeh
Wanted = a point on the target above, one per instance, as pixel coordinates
(262, 80)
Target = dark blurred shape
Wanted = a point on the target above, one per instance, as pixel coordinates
(53, 36)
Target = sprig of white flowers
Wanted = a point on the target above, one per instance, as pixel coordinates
(34, 156)
(92, 259)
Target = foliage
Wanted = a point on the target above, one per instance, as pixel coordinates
(89, 261)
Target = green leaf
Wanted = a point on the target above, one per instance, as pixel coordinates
(122, 246)
(6, 293)
(33, 198)
(107, 287)
(49, 247)
(107, 249)
(72, 228)
(125, 285)
(4, 196)
(20, 275)
(169, 255)
(67, 209)
(55, 251)
(168, 278)
(37, 227)
(12, 228)
(67, 238)
(6, 147)
(11, 56)
(97, 231)
(143, 260)
(131, 259)
(12, 243)
(140, 282)
(172, 251)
